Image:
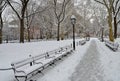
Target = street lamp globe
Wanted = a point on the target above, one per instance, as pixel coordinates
(73, 19)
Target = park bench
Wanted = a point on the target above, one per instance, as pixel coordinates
(112, 45)
(82, 42)
(35, 64)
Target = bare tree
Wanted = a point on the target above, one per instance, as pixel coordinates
(109, 6)
(116, 11)
(59, 10)
(2, 8)
(46, 24)
(23, 5)
(49, 22)
(99, 18)
(29, 19)
(32, 14)
(85, 10)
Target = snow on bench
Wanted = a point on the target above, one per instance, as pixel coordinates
(32, 65)
(27, 66)
(82, 42)
(112, 45)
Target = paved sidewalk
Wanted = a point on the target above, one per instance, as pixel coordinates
(89, 68)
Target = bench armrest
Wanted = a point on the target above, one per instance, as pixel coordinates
(38, 62)
(20, 71)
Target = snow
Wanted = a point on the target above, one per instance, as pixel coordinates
(90, 62)
(89, 67)
(20, 51)
(14, 52)
(110, 62)
(63, 70)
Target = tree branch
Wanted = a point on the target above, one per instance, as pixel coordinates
(13, 9)
(116, 4)
(106, 4)
(113, 8)
(103, 3)
(64, 11)
(55, 11)
(3, 7)
(99, 2)
(118, 22)
(117, 11)
(36, 12)
(24, 7)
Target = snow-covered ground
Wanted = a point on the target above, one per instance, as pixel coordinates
(110, 61)
(90, 62)
(15, 51)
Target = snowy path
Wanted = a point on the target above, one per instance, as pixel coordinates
(89, 67)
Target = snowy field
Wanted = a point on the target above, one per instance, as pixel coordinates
(90, 62)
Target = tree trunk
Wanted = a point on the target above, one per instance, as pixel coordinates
(51, 32)
(102, 35)
(115, 28)
(62, 36)
(1, 26)
(28, 34)
(58, 32)
(41, 34)
(111, 37)
(21, 30)
(0, 36)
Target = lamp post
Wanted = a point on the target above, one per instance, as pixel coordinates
(73, 21)
(102, 34)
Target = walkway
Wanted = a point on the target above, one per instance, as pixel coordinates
(89, 68)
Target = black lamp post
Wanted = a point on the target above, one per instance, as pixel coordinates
(73, 21)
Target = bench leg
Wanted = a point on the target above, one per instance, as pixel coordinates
(65, 55)
(16, 78)
(60, 59)
(40, 72)
(53, 63)
(25, 78)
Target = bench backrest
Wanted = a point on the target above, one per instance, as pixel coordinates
(82, 42)
(112, 44)
(21, 63)
(37, 57)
